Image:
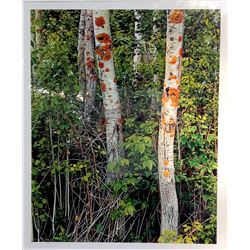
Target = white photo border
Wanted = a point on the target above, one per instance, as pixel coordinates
(223, 109)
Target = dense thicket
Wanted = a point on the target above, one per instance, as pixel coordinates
(70, 199)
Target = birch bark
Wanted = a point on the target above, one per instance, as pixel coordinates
(109, 89)
(81, 48)
(155, 35)
(154, 105)
(170, 98)
(89, 100)
(138, 40)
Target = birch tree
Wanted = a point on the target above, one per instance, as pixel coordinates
(170, 98)
(154, 105)
(109, 89)
(138, 41)
(81, 48)
(155, 35)
(87, 76)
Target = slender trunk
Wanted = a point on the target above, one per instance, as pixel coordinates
(39, 28)
(110, 94)
(55, 178)
(81, 48)
(111, 101)
(89, 100)
(67, 179)
(154, 105)
(32, 39)
(170, 98)
(138, 44)
(86, 62)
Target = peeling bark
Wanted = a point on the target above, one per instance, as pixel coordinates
(170, 98)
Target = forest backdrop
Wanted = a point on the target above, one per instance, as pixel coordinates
(71, 200)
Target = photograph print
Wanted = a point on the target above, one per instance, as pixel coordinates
(124, 125)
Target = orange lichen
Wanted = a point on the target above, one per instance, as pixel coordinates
(180, 52)
(164, 99)
(176, 16)
(163, 121)
(107, 69)
(100, 21)
(107, 56)
(173, 60)
(103, 52)
(90, 63)
(103, 87)
(174, 96)
(180, 38)
(166, 162)
(166, 173)
(103, 38)
(99, 50)
(101, 65)
(171, 77)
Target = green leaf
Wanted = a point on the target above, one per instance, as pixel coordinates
(131, 181)
(141, 148)
(86, 177)
(148, 164)
(117, 186)
(186, 228)
(188, 240)
(144, 204)
(124, 162)
(161, 239)
(129, 210)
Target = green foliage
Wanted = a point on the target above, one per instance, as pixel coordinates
(189, 234)
(168, 236)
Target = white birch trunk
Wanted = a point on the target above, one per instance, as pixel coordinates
(109, 89)
(81, 48)
(154, 105)
(170, 98)
(155, 35)
(138, 40)
(90, 89)
(111, 101)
